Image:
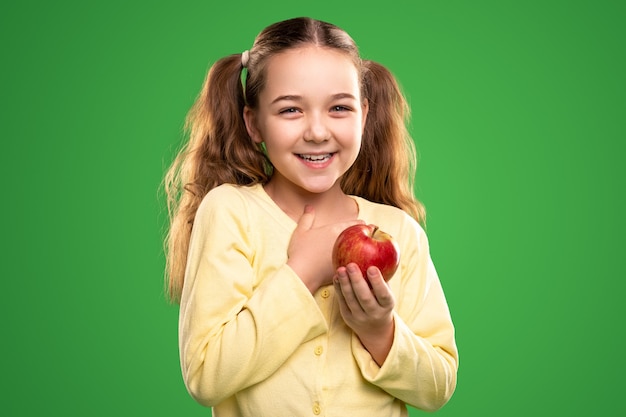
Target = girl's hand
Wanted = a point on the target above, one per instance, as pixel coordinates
(310, 250)
(368, 312)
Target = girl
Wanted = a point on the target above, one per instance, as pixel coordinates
(313, 142)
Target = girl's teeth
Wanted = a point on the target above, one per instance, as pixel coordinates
(315, 158)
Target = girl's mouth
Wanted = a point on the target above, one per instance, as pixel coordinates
(319, 159)
(316, 161)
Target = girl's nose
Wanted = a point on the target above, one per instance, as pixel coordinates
(316, 130)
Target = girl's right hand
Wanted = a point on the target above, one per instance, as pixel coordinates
(310, 250)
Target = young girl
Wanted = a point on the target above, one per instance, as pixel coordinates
(313, 141)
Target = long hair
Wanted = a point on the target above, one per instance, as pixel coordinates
(384, 171)
(220, 151)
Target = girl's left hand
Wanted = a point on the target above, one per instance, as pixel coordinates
(367, 311)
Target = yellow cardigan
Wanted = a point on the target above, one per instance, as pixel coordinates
(254, 342)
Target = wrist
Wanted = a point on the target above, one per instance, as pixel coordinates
(308, 281)
(378, 341)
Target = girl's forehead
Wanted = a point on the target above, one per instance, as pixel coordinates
(311, 68)
(310, 52)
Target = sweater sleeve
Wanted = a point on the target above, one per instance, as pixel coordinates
(236, 329)
(421, 367)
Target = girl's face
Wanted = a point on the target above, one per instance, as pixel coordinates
(310, 116)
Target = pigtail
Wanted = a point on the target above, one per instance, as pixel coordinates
(218, 151)
(385, 168)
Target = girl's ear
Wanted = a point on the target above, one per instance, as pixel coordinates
(249, 117)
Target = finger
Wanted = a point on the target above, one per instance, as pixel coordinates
(370, 298)
(339, 294)
(344, 287)
(359, 286)
(308, 217)
(380, 288)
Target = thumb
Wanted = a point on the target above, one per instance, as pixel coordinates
(307, 218)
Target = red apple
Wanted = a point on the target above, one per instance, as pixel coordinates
(367, 245)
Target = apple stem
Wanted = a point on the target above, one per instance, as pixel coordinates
(374, 231)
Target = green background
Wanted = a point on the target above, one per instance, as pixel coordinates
(518, 115)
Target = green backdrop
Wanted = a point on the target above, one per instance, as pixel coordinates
(518, 115)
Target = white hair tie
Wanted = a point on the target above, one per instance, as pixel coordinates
(245, 57)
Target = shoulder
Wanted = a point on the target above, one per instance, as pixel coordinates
(370, 206)
(384, 213)
(391, 219)
(222, 191)
(227, 195)
(224, 202)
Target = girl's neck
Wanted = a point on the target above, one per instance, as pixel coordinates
(330, 206)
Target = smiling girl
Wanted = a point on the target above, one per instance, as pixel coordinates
(312, 142)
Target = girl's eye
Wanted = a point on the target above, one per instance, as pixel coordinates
(339, 108)
(289, 110)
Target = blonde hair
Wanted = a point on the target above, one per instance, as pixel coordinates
(220, 151)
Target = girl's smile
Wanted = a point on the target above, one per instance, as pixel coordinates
(316, 161)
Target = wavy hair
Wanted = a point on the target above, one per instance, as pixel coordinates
(220, 151)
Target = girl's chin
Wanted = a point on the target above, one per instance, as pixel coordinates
(311, 185)
(320, 187)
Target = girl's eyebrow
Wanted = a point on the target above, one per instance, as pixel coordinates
(291, 97)
(343, 95)
(287, 98)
